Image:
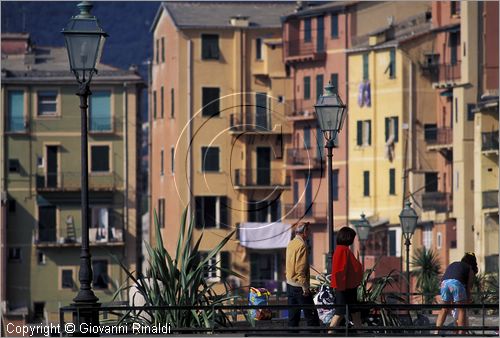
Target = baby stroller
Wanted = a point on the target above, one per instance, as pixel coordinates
(325, 296)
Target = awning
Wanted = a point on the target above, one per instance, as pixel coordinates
(264, 236)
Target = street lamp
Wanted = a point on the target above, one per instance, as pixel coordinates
(330, 113)
(363, 228)
(408, 218)
(84, 41)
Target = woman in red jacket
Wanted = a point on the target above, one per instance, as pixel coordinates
(347, 273)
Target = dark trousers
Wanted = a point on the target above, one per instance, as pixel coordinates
(296, 297)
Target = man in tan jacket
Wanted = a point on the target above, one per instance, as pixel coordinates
(297, 278)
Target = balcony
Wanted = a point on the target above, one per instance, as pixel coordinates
(444, 75)
(299, 50)
(300, 110)
(489, 142)
(112, 236)
(302, 158)
(490, 199)
(317, 211)
(261, 179)
(439, 138)
(71, 181)
(254, 124)
(437, 201)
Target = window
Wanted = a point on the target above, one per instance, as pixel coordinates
(12, 205)
(319, 85)
(162, 49)
(154, 104)
(40, 258)
(392, 181)
(470, 112)
(67, 279)
(430, 132)
(161, 212)
(456, 110)
(162, 103)
(454, 8)
(211, 211)
(210, 98)
(15, 254)
(439, 240)
(366, 183)
(307, 88)
(365, 66)
(100, 270)
(47, 102)
(334, 79)
(392, 129)
(172, 159)
(335, 26)
(39, 310)
(431, 182)
(270, 211)
(157, 51)
(307, 138)
(454, 42)
(209, 47)
(392, 63)
(258, 49)
(172, 103)
(217, 266)
(15, 110)
(100, 224)
(391, 243)
(99, 159)
(14, 165)
(427, 237)
(307, 30)
(335, 185)
(210, 159)
(364, 137)
(100, 111)
(162, 160)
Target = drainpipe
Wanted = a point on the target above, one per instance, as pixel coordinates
(190, 126)
(125, 166)
(3, 219)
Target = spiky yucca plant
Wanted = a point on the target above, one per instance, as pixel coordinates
(427, 270)
(179, 280)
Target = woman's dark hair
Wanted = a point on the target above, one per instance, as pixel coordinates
(470, 258)
(346, 236)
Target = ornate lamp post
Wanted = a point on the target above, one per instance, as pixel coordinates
(408, 218)
(331, 113)
(84, 41)
(363, 228)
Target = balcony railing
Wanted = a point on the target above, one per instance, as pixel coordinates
(439, 136)
(300, 109)
(444, 72)
(71, 181)
(304, 157)
(437, 201)
(252, 122)
(261, 178)
(490, 199)
(490, 141)
(299, 48)
(97, 236)
(299, 210)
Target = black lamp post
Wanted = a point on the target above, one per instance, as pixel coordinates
(408, 218)
(84, 41)
(363, 228)
(331, 113)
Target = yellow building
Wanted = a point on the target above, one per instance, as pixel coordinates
(218, 131)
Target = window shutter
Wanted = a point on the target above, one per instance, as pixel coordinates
(224, 208)
(366, 183)
(224, 264)
(360, 133)
(369, 126)
(387, 128)
(198, 204)
(396, 129)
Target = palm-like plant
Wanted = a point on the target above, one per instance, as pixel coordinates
(485, 288)
(427, 270)
(179, 280)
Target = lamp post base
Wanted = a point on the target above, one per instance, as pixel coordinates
(85, 318)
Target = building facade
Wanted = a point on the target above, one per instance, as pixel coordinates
(41, 176)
